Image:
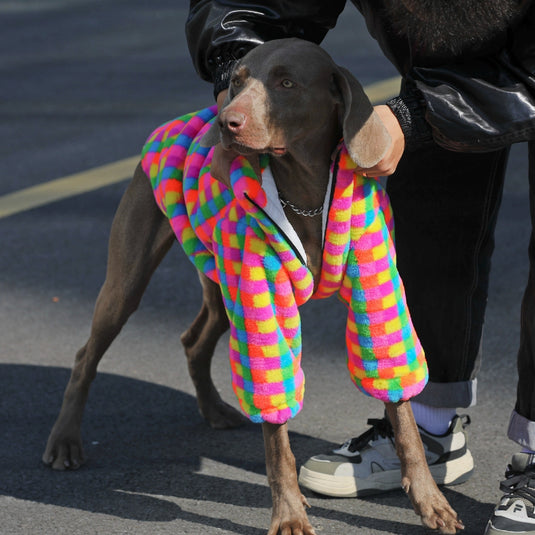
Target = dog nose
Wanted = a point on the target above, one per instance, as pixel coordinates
(234, 121)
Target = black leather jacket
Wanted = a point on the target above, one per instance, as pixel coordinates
(478, 102)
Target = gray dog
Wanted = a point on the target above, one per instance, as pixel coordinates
(289, 100)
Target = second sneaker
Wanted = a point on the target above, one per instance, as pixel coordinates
(368, 464)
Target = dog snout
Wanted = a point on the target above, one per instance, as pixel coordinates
(234, 121)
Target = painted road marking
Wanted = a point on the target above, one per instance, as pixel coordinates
(61, 188)
(106, 175)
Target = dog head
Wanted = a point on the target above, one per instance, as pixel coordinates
(286, 92)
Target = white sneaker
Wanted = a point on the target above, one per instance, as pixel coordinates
(368, 464)
(515, 512)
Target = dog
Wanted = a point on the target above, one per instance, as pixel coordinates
(305, 225)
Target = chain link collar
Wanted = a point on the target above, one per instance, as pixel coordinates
(300, 211)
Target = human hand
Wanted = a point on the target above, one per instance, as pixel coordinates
(390, 161)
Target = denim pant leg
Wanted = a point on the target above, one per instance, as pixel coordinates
(522, 423)
(445, 209)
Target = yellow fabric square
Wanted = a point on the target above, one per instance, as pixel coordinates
(379, 252)
(274, 376)
(392, 326)
(278, 400)
(267, 326)
(384, 276)
(234, 241)
(292, 322)
(262, 300)
(389, 301)
(256, 273)
(396, 349)
(272, 350)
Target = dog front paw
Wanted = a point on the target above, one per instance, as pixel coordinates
(433, 508)
(289, 517)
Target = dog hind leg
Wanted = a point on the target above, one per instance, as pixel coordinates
(199, 343)
(140, 237)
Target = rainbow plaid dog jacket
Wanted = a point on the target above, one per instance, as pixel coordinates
(229, 237)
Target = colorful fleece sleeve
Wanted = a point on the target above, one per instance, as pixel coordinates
(263, 283)
(385, 357)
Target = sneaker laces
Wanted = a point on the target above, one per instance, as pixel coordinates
(520, 484)
(380, 428)
(465, 420)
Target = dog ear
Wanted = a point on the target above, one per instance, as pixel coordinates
(365, 136)
(213, 136)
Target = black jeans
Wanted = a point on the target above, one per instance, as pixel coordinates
(445, 208)
(522, 423)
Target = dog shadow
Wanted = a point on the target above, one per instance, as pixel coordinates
(147, 448)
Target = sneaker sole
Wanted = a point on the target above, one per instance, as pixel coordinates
(450, 473)
(493, 531)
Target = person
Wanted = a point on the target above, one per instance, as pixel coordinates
(467, 94)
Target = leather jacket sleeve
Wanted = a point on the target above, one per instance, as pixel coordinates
(480, 105)
(221, 31)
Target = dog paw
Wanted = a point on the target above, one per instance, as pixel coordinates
(442, 520)
(289, 516)
(221, 415)
(433, 508)
(292, 527)
(63, 454)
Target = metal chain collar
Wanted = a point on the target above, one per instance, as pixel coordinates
(301, 211)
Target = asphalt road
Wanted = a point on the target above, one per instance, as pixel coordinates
(82, 84)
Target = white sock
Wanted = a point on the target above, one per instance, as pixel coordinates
(435, 420)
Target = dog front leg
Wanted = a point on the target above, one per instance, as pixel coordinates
(288, 514)
(428, 502)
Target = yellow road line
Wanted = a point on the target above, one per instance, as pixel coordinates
(105, 175)
(68, 186)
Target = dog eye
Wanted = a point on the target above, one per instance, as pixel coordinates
(288, 84)
(236, 82)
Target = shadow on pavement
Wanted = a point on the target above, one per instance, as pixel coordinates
(145, 445)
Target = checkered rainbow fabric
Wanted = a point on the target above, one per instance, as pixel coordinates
(229, 237)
